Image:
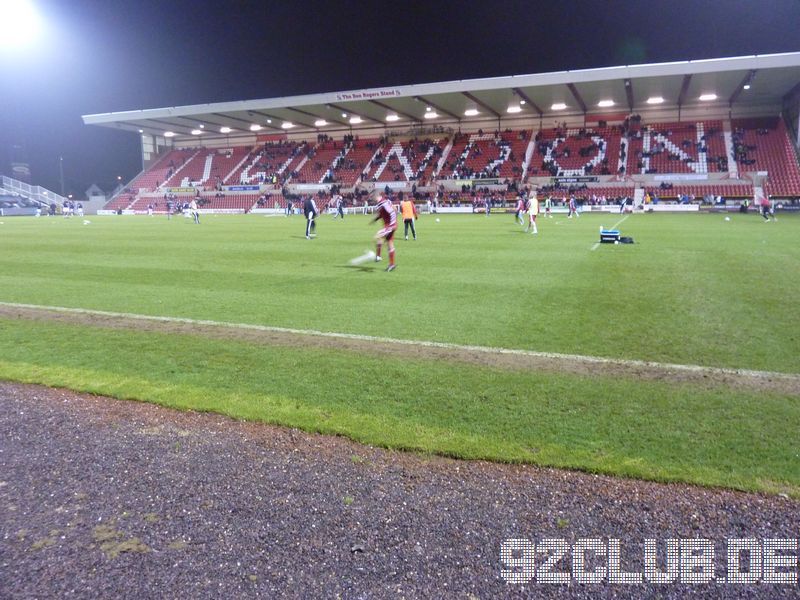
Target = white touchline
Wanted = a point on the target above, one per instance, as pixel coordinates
(614, 226)
(423, 343)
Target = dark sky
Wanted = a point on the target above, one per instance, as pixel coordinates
(112, 55)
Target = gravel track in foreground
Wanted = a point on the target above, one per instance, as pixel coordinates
(103, 498)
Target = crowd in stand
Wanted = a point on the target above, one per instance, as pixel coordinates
(459, 169)
(740, 149)
(550, 152)
(416, 152)
(268, 159)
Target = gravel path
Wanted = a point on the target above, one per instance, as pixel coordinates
(104, 498)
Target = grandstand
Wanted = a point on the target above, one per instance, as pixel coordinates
(694, 128)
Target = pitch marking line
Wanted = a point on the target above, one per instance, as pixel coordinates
(423, 343)
(614, 226)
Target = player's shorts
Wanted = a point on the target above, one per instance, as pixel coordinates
(387, 233)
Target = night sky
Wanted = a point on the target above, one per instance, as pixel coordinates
(103, 56)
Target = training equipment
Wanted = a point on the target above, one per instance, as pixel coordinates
(608, 236)
(366, 257)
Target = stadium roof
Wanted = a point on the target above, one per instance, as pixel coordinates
(771, 79)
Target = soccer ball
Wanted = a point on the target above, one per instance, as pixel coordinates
(437, 219)
(727, 218)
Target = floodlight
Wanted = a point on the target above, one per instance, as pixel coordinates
(558, 106)
(22, 23)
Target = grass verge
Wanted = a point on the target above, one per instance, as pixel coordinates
(625, 427)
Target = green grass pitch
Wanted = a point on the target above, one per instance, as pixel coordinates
(693, 289)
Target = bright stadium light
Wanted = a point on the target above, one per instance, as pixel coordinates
(708, 97)
(287, 125)
(558, 106)
(255, 127)
(431, 115)
(356, 120)
(747, 86)
(392, 117)
(655, 100)
(196, 132)
(605, 103)
(514, 108)
(225, 129)
(169, 134)
(471, 112)
(320, 123)
(21, 22)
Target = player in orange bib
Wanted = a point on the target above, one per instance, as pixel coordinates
(410, 213)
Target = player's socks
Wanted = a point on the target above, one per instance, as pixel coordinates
(391, 258)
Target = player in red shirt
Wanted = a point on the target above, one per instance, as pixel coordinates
(385, 210)
(521, 208)
(765, 208)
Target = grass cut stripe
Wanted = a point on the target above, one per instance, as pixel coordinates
(694, 289)
(569, 358)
